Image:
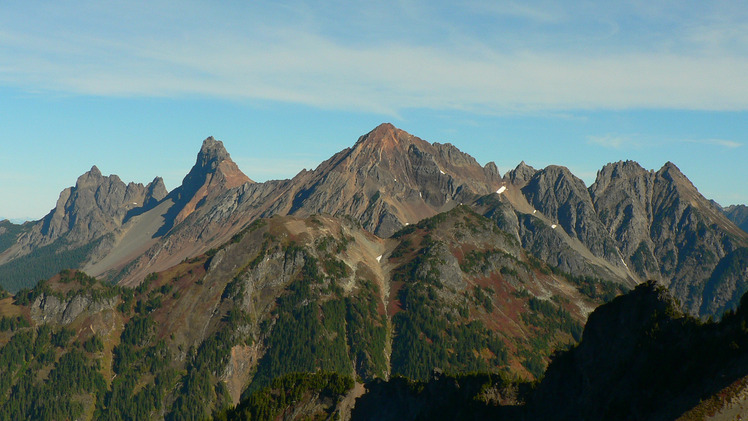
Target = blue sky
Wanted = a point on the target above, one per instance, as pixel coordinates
(134, 87)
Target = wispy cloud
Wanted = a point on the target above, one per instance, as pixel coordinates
(306, 65)
(611, 141)
(731, 144)
(545, 13)
(615, 141)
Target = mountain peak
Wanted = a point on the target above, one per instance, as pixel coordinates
(384, 136)
(521, 174)
(671, 172)
(211, 154)
(213, 161)
(669, 166)
(213, 172)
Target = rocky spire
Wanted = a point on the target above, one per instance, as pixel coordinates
(521, 174)
(213, 172)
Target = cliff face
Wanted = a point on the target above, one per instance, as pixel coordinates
(82, 225)
(95, 206)
(667, 230)
(213, 173)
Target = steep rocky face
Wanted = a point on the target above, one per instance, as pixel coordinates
(622, 194)
(213, 173)
(140, 247)
(520, 175)
(52, 309)
(96, 206)
(390, 178)
(563, 198)
(667, 230)
(738, 214)
(155, 192)
(727, 284)
(550, 244)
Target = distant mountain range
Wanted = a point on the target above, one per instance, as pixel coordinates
(738, 214)
(17, 221)
(631, 225)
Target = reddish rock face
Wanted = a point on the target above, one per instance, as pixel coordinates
(213, 173)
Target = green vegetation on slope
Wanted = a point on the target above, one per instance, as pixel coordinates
(430, 334)
(309, 329)
(290, 390)
(73, 381)
(43, 263)
(9, 233)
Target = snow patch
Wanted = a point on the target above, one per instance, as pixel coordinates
(553, 226)
(420, 194)
(533, 211)
(501, 190)
(441, 171)
(379, 257)
(407, 223)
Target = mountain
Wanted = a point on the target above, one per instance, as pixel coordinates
(666, 230)
(630, 226)
(212, 174)
(388, 179)
(557, 221)
(640, 358)
(294, 324)
(738, 214)
(374, 282)
(288, 295)
(79, 227)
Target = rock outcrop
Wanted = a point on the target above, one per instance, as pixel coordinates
(95, 206)
(521, 174)
(53, 309)
(213, 173)
(563, 198)
(86, 213)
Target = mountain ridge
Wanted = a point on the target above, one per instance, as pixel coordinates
(629, 226)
